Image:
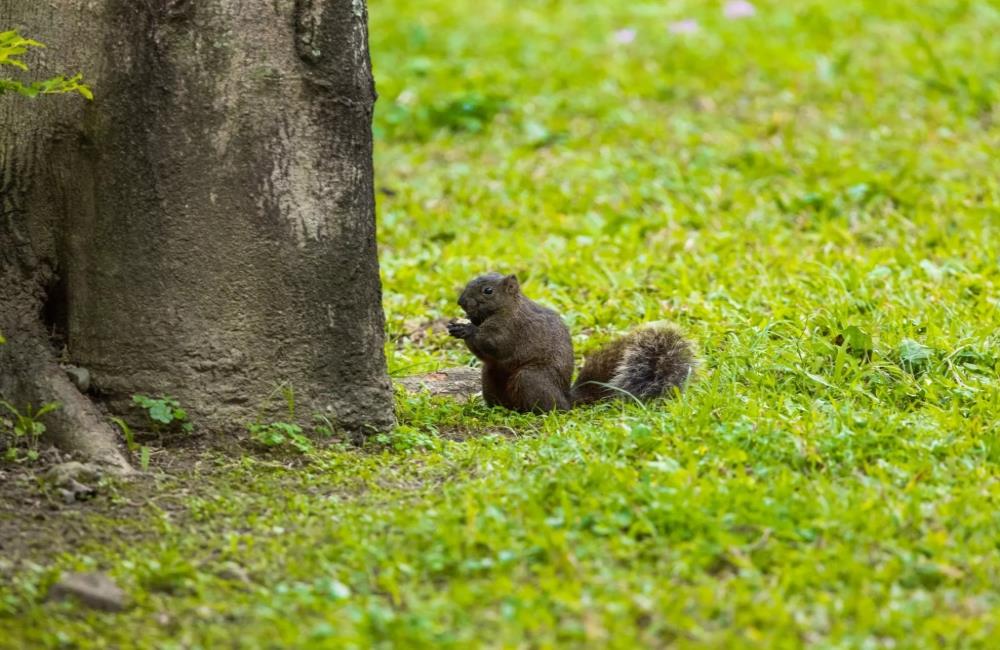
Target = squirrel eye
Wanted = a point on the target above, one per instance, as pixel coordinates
(488, 290)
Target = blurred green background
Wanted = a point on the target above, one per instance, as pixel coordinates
(723, 164)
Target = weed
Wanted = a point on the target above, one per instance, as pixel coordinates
(164, 413)
(278, 434)
(131, 444)
(27, 428)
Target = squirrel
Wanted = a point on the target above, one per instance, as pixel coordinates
(527, 353)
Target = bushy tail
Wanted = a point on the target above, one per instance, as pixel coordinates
(647, 363)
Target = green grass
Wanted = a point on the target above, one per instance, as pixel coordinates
(811, 193)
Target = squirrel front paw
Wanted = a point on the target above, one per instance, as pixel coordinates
(461, 329)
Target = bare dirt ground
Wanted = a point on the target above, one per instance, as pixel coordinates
(38, 519)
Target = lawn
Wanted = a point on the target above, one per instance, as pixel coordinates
(811, 192)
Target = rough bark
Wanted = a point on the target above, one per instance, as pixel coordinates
(205, 228)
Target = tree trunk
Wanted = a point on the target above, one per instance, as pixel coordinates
(205, 228)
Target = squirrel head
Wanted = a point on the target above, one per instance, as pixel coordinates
(489, 294)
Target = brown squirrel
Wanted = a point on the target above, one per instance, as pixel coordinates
(527, 353)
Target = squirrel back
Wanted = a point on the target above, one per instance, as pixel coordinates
(647, 363)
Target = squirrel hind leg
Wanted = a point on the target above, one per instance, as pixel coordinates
(494, 388)
(534, 390)
(655, 361)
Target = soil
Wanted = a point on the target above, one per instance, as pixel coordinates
(37, 521)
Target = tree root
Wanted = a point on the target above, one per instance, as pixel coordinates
(29, 374)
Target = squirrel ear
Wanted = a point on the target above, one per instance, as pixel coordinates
(510, 284)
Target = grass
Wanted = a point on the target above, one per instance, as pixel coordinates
(811, 192)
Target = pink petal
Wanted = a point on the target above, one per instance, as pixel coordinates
(687, 26)
(624, 36)
(736, 9)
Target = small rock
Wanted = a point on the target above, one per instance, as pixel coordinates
(64, 475)
(75, 491)
(79, 376)
(234, 573)
(94, 590)
(51, 456)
